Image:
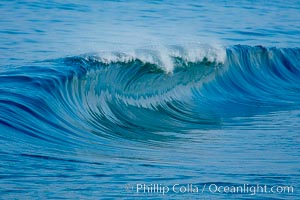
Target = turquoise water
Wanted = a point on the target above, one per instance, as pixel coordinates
(157, 99)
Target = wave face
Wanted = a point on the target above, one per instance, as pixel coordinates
(93, 112)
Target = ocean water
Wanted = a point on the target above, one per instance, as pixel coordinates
(155, 99)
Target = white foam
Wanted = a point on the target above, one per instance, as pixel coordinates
(196, 53)
(163, 56)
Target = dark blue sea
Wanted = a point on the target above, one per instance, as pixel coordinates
(153, 99)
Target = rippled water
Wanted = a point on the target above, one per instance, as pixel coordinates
(98, 98)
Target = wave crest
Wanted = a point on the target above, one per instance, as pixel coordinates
(166, 58)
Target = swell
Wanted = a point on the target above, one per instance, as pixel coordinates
(139, 98)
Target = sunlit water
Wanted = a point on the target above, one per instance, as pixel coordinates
(100, 97)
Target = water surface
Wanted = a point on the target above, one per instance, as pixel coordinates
(100, 97)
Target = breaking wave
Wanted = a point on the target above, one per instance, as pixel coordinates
(143, 93)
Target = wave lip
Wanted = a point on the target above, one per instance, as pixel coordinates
(164, 57)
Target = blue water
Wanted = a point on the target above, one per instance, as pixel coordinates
(98, 98)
